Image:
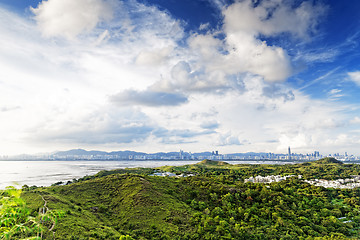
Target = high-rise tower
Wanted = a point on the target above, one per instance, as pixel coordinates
(289, 153)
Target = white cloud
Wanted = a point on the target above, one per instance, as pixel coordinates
(273, 17)
(227, 139)
(355, 77)
(335, 94)
(183, 78)
(242, 51)
(57, 93)
(154, 57)
(318, 55)
(54, 86)
(355, 120)
(69, 18)
(104, 126)
(243, 23)
(334, 91)
(207, 46)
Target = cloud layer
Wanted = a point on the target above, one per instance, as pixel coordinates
(116, 75)
(148, 98)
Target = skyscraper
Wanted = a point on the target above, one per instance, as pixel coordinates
(289, 153)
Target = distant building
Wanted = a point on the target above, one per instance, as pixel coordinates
(289, 153)
(181, 154)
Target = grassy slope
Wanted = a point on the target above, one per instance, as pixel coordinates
(106, 207)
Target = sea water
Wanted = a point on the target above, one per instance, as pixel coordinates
(45, 173)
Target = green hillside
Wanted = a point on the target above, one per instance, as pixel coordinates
(207, 162)
(106, 207)
(213, 204)
(327, 160)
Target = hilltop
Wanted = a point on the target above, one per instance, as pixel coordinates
(327, 160)
(212, 163)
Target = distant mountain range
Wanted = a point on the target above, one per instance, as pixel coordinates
(126, 153)
(76, 154)
(82, 151)
(81, 154)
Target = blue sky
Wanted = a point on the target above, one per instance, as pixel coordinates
(156, 75)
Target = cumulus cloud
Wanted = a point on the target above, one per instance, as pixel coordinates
(248, 54)
(183, 78)
(243, 22)
(207, 46)
(243, 50)
(69, 18)
(148, 98)
(273, 17)
(355, 77)
(227, 139)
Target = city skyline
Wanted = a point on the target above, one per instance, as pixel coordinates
(158, 75)
(82, 154)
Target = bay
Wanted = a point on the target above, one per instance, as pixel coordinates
(45, 173)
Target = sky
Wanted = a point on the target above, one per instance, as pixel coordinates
(165, 75)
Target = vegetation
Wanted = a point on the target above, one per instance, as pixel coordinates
(16, 221)
(213, 204)
(326, 168)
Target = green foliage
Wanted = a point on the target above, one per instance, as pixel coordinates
(326, 168)
(125, 237)
(213, 204)
(15, 219)
(327, 160)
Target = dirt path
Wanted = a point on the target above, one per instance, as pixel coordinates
(42, 212)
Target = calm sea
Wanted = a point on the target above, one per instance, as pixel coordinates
(45, 173)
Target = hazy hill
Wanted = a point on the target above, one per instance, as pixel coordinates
(212, 163)
(79, 152)
(327, 160)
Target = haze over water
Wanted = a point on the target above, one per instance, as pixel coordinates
(45, 173)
